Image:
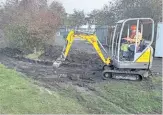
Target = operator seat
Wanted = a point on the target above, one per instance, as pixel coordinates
(142, 46)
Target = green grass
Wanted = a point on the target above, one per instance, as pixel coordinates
(19, 96)
(34, 55)
(135, 97)
(123, 97)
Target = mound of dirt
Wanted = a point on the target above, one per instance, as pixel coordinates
(11, 52)
(74, 56)
(77, 56)
(51, 52)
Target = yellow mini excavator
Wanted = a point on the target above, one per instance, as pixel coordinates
(129, 59)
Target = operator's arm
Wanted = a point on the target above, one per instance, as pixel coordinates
(133, 40)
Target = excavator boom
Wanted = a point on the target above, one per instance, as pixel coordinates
(91, 38)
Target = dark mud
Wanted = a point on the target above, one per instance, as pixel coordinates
(80, 68)
(75, 57)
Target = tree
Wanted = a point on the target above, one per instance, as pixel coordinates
(76, 19)
(140, 8)
(31, 23)
(58, 9)
(122, 9)
(104, 16)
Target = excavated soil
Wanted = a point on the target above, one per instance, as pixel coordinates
(75, 56)
(80, 68)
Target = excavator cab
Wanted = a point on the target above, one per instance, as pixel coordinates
(134, 56)
(137, 54)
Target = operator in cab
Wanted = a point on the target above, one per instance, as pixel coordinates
(132, 38)
(130, 42)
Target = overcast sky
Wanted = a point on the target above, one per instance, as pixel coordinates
(86, 5)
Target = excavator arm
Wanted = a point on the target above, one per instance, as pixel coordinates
(91, 38)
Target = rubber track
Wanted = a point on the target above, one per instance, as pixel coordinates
(124, 72)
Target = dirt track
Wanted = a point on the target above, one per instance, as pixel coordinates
(80, 68)
(82, 73)
(77, 73)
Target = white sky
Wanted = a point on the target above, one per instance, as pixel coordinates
(86, 5)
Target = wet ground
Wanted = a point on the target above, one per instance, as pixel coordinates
(82, 66)
(76, 73)
(82, 70)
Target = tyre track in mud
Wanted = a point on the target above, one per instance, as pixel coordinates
(79, 69)
(77, 74)
(81, 75)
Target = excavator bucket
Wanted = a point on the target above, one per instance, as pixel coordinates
(60, 59)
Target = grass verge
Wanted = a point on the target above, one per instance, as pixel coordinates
(120, 97)
(19, 96)
(34, 56)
